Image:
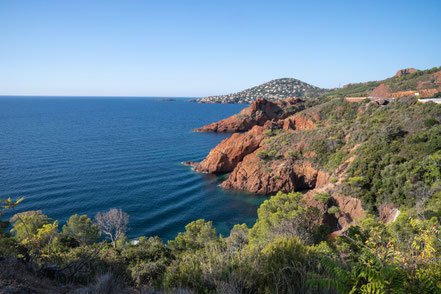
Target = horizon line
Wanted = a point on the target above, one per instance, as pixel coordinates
(116, 96)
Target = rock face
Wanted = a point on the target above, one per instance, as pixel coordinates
(437, 77)
(250, 175)
(298, 122)
(382, 91)
(405, 71)
(388, 213)
(257, 114)
(350, 208)
(225, 156)
(239, 153)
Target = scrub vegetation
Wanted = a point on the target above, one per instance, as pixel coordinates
(397, 151)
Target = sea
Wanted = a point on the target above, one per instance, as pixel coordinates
(84, 155)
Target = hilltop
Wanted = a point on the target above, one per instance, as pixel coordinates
(271, 91)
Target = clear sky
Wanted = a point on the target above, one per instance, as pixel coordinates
(199, 48)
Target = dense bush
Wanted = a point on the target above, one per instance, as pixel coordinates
(82, 229)
(262, 154)
(285, 215)
(195, 237)
(148, 260)
(272, 257)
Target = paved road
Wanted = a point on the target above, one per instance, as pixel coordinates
(436, 100)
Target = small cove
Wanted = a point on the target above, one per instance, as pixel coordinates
(84, 155)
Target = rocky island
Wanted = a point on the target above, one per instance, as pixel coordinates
(163, 99)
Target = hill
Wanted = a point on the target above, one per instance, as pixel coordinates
(272, 90)
(405, 83)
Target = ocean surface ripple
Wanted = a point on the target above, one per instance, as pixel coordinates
(84, 155)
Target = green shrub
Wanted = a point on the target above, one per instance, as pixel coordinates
(333, 210)
(195, 237)
(262, 154)
(430, 122)
(293, 154)
(269, 133)
(82, 229)
(322, 197)
(148, 260)
(283, 215)
(335, 160)
(272, 153)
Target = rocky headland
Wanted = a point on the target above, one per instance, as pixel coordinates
(257, 163)
(257, 113)
(322, 146)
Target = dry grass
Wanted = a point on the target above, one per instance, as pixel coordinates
(16, 277)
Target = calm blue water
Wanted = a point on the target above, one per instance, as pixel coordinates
(70, 155)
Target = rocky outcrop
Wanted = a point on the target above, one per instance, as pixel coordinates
(382, 91)
(225, 156)
(239, 153)
(350, 209)
(256, 114)
(257, 176)
(298, 122)
(405, 71)
(437, 77)
(264, 163)
(388, 213)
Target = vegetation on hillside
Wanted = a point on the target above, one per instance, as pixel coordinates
(284, 88)
(422, 79)
(396, 152)
(286, 251)
(272, 90)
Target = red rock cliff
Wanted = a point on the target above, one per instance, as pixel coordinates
(225, 156)
(298, 122)
(256, 114)
(254, 175)
(405, 71)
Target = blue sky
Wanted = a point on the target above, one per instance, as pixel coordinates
(199, 48)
